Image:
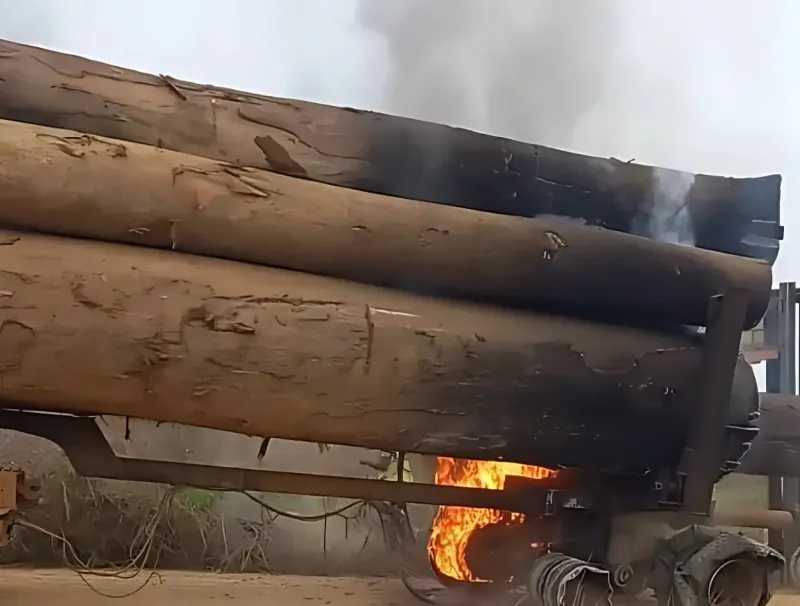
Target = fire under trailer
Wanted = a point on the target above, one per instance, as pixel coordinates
(184, 253)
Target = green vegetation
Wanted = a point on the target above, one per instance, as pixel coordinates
(199, 500)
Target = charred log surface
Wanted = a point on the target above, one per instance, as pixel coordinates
(111, 190)
(385, 154)
(110, 329)
(776, 448)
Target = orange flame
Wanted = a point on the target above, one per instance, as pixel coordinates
(453, 526)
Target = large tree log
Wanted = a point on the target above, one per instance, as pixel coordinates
(111, 329)
(58, 181)
(379, 153)
(776, 449)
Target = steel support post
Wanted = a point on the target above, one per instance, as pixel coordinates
(780, 326)
(701, 462)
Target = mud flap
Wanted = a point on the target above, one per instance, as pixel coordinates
(687, 564)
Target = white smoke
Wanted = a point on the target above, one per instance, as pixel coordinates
(701, 87)
(527, 70)
(669, 219)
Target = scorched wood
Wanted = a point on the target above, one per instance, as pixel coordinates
(63, 182)
(110, 329)
(386, 154)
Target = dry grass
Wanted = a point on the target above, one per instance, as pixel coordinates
(103, 521)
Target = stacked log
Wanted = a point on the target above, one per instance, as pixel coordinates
(376, 153)
(89, 327)
(280, 285)
(125, 192)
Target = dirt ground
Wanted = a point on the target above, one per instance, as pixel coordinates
(34, 588)
(22, 587)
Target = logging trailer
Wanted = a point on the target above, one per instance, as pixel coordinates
(189, 254)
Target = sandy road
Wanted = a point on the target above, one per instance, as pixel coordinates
(64, 588)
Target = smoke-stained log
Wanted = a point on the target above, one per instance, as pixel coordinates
(112, 329)
(776, 448)
(375, 152)
(118, 191)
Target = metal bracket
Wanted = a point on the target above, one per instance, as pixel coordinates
(703, 457)
(15, 492)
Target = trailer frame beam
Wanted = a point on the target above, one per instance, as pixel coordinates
(91, 456)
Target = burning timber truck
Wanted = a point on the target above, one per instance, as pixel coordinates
(189, 254)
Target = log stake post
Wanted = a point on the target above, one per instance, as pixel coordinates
(703, 456)
(780, 327)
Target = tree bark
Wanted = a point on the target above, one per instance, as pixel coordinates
(776, 448)
(109, 329)
(379, 153)
(78, 185)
